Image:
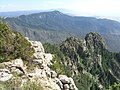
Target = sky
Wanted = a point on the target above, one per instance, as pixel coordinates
(97, 8)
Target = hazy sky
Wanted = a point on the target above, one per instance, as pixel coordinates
(102, 8)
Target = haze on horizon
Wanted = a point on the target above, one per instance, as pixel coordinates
(97, 8)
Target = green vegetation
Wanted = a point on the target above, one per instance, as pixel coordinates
(16, 85)
(115, 87)
(32, 86)
(87, 61)
(58, 57)
(13, 45)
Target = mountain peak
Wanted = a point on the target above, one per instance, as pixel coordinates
(95, 40)
(56, 12)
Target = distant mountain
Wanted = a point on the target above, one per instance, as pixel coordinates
(55, 27)
(18, 13)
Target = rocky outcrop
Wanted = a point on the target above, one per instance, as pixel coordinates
(36, 70)
(64, 79)
(90, 59)
(68, 83)
(95, 41)
(48, 77)
(15, 66)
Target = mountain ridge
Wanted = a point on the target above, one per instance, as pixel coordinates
(55, 24)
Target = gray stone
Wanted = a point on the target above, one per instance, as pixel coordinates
(18, 72)
(18, 62)
(64, 79)
(48, 74)
(66, 86)
(5, 75)
(72, 87)
(59, 83)
(53, 74)
(72, 84)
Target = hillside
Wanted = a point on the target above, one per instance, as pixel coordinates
(88, 61)
(56, 27)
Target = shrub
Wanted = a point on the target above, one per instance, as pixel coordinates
(115, 87)
(13, 45)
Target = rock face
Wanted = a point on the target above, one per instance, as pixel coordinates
(68, 83)
(64, 79)
(36, 70)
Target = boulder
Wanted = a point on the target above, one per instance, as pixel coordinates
(39, 55)
(18, 72)
(37, 46)
(5, 75)
(72, 87)
(15, 66)
(48, 56)
(66, 87)
(72, 84)
(48, 74)
(53, 74)
(64, 79)
(18, 62)
(59, 83)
